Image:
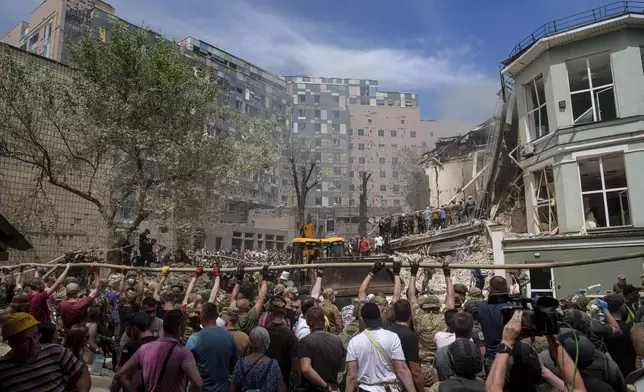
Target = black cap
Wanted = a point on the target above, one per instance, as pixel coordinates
(581, 345)
(140, 321)
(371, 315)
(526, 366)
(465, 358)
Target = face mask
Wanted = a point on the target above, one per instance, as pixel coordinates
(177, 294)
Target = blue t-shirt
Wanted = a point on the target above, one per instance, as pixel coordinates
(492, 325)
(112, 298)
(213, 349)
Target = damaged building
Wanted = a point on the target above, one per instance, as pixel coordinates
(573, 126)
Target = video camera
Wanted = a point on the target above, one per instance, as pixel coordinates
(539, 314)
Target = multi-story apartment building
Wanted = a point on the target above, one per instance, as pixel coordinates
(51, 25)
(579, 86)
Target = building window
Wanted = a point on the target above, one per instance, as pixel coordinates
(381, 161)
(360, 132)
(351, 173)
(337, 171)
(396, 203)
(352, 203)
(318, 142)
(396, 188)
(316, 113)
(318, 128)
(381, 132)
(394, 161)
(383, 203)
(301, 98)
(336, 142)
(383, 174)
(361, 160)
(424, 144)
(316, 99)
(301, 113)
(394, 147)
(402, 121)
(381, 147)
(360, 146)
(350, 132)
(336, 113)
(592, 91)
(318, 157)
(336, 156)
(33, 43)
(604, 191)
(350, 147)
(393, 133)
(318, 201)
(394, 174)
(369, 120)
(335, 99)
(535, 95)
(301, 127)
(412, 133)
(352, 187)
(383, 188)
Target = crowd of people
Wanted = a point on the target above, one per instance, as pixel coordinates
(260, 332)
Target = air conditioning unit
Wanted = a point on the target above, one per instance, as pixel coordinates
(526, 150)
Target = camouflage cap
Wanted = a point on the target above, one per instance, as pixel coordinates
(278, 290)
(579, 301)
(476, 293)
(380, 300)
(131, 296)
(277, 304)
(429, 302)
(460, 288)
(229, 313)
(459, 299)
(327, 293)
(289, 304)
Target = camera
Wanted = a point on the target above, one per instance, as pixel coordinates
(540, 315)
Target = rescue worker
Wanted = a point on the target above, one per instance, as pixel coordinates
(331, 312)
(470, 206)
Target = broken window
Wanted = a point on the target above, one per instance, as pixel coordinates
(604, 191)
(536, 108)
(546, 208)
(592, 92)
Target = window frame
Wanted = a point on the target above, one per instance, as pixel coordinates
(536, 133)
(592, 89)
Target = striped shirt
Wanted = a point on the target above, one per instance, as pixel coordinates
(46, 374)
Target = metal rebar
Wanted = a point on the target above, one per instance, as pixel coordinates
(350, 264)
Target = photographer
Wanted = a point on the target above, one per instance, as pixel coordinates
(491, 318)
(520, 378)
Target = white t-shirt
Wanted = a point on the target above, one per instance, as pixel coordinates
(378, 241)
(443, 339)
(302, 329)
(372, 367)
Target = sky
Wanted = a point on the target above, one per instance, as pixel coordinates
(447, 51)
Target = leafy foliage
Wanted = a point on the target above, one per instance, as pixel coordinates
(413, 182)
(131, 122)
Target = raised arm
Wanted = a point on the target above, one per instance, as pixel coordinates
(97, 283)
(397, 286)
(449, 299)
(122, 284)
(191, 285)
(216, 285)
(164, 276)
(19, 279)
(240, 278)
(601, 304)
(411, 289)
(141, 288)
(59, 281)
(317, 287)
(569, 371)
(263, 290)
(362, 293)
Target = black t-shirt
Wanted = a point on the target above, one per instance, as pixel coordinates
(282, 348)
(408, 341)
(593, 384)
(132, 346)
(621, 349)
(327, 355)
(461, 385)
(492, 325)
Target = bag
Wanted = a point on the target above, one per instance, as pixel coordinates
(262, 380)
(385, 356)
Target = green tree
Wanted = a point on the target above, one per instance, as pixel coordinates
(412, 182)
(131, 122)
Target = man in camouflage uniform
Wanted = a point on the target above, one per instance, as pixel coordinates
(475, 293)
(428, 320)
(331, 312)
(386, 309)
(350, 321)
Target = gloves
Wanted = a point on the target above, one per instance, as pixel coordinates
(320, 272)
(377, 266)
(397, 267)
(165, 271)
(215, 271)
(414, 266)
(198, 272)
(446, 271)
(601, 304)
(239, 274)
(266, 274)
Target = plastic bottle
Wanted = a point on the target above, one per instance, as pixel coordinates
(97, 366)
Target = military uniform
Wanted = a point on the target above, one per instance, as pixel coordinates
(427, 321)
(331, 312)
(348, 332)
(387, 313)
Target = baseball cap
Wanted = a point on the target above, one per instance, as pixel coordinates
(429, 302)
(371, 315)
(472, 307)
(629, 288)
(277, 304)
(380, 300)
(465, 358)
(621, 276)
(229, 313)
(577, 319)
(526, 366)
(16, 323)
(582, 345)
(328, 293)
(140, 320)
(72, 288)
(475, 292)
(460, 288)
(278, 290)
